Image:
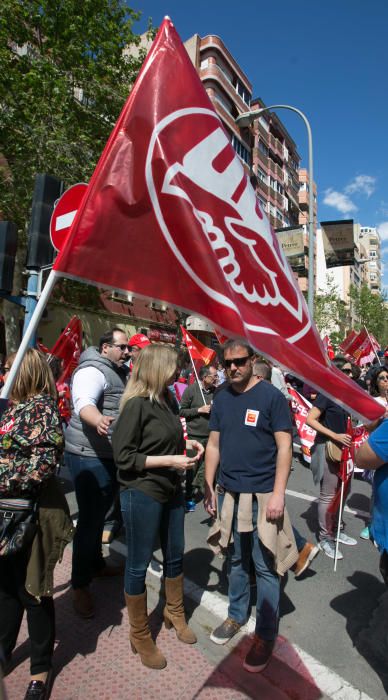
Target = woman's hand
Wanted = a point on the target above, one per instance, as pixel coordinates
(343, 439)
(181, 462)
(195, 445)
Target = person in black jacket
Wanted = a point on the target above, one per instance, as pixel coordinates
(148, 447)
(195, 408)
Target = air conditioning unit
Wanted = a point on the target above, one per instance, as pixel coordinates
(158, 307)
(122, 298)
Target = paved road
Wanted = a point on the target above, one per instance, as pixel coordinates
(339, 618)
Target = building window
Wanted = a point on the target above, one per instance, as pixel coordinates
(262, 176)
(263, 148)
(264, 123)
(241, 150)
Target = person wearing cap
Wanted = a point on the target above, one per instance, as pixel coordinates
(136, 343)
(97, 387)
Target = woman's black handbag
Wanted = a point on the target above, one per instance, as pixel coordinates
(18, 525)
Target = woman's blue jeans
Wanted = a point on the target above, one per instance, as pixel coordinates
(145, 519)
(247, 548)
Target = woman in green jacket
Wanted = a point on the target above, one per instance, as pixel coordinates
(31, 445)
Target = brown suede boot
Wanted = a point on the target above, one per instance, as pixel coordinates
(140, 635)
(174, 612)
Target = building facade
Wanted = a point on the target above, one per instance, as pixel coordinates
(370, 240)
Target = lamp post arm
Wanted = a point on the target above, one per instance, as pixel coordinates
(247, 118)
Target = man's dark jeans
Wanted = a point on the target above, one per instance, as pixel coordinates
(145, 519)
(95, 485)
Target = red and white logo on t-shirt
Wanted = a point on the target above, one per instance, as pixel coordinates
(251, 417)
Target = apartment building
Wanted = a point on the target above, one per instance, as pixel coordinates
(227, 86)
(370, 240)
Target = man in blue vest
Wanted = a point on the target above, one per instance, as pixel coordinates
(97, 386)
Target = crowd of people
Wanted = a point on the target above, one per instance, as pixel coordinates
(144, 444)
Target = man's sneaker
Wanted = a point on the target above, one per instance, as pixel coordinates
(190, 506)
(259, 654)
(306, 555)
(225, 632)
(365, 533)
(345, 539)
(328, 548)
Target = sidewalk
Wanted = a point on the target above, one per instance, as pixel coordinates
(93, 659)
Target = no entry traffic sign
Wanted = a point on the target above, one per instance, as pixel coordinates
(64, 214)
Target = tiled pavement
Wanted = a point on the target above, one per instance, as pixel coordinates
(93, 659)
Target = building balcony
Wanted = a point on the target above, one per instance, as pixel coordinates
(262, 188)
(260, 158)
(276, 145)
(213, 72)
(279, 199)
(263, 132)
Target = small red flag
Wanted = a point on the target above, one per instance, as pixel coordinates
(170, 214)
(345, 472)
(329, 347)
(221, 338)
(68, 348)
(197, 350)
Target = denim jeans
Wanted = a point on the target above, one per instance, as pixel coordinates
(300, 541)
(246, 547)
(144, 519)
(95, 485)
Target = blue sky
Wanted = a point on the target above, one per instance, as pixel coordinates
(329, 58)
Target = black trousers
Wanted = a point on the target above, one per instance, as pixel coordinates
(14, 600)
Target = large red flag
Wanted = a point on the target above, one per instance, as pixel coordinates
(170, 215)
(68, 348)
(197, 350)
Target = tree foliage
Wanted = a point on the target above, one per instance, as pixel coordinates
(330, 313)
(66, 69)
(64, 79)
(371, 311)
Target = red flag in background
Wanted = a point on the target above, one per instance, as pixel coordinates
(329, 347)
(361, 345)
(346, 343)
(197, 350)
(221, 338)
(170, 214)
(68, 348)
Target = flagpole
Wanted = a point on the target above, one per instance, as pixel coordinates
(196, 376)
(31, 328)
(373, 347)
(339, 524)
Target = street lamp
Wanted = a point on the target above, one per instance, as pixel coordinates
(247, 118)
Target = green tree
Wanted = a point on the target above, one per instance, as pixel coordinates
(371, 311)
(330, 312)
(66, 70)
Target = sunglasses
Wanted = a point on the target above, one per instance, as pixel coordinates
(236, 361)
(122, 347)
(347, 371)
(382, 379)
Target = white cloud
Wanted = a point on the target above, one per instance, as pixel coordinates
(383, 231)
(339, 201)
(362, 184)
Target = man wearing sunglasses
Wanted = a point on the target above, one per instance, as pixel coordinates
(250, 440)
(97, 386)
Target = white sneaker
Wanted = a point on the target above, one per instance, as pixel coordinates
(328, 548)
(345, 539)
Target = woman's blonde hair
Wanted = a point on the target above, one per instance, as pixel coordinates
(34, 377)
(154, 368)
